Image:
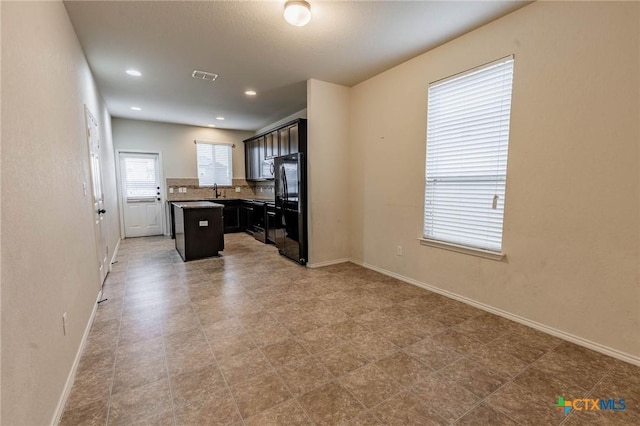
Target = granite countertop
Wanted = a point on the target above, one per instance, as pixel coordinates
(197, 204)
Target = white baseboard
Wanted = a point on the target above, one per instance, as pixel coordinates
(62, 402)
(115, 254)
(328, 263)
(623, 356)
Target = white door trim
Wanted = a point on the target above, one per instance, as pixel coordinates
(119, 185)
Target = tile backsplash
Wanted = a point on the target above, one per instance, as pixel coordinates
(194, 191)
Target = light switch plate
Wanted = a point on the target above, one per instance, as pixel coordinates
(237, 189)
(170, 190)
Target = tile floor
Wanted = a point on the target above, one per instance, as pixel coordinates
(252, 338)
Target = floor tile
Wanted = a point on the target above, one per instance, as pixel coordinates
(259, 394)
(284, 352)
(342, 359)
(229, 346)
(365, 418)
(401, 335)
(406, 409)
(404, 368)
(330, 404)
(304, 375)
(246, 365)
(319, 340)
(90, 414)
(370, 385)
(194, 386)
(347, 330)
(525, 407)
(373, 346)
(433, 353)
(140, 372)
(217, 409)
(477, 379)
(485, 415)
(446, 397)
(287, 413)
(139, 403)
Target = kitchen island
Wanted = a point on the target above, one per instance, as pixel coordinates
(198, 229)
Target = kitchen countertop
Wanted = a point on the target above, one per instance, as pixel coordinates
(197, 204)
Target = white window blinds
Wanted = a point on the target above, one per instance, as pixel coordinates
(141, 178)
(466, 166)
(214, 163)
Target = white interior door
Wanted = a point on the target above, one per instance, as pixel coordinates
(97, 195)
(141, 200)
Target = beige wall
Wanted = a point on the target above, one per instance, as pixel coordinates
(327, 173)
(48, 246)
(300, 114)
(572, 205)
(175, 141)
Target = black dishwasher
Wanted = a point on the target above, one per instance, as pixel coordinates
(259, 232)
(272, 223)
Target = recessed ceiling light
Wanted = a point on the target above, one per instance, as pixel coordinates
(134, 73)
(211, 125)
(219, 118)
(136, 108)
(250, 93)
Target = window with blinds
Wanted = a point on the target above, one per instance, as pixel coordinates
(466, 166)
(214, 163)
(140, 178)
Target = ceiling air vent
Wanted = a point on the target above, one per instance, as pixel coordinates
(203, 75)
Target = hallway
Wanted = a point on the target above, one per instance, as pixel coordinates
(252, 338)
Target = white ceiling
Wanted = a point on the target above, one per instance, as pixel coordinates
(251, 47)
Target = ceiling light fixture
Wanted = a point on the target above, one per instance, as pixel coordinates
(136, 108)
(211, 125)
(297, 12)
(219, 118)
(250, 93)
(134, 73)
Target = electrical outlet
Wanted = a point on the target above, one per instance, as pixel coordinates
(64, 324)
(84, 188)
(170, 190)
(399, 251)
(237, 189)
(184, 190)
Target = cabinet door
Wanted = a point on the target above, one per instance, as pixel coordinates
(254, 158)
(294, 145)
(283, 135)
(247, 160)
(271, 145)
(231, 215)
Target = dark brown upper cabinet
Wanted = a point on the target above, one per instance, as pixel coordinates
(283, 140)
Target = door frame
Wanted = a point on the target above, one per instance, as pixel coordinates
(119, 186)
(101, 239)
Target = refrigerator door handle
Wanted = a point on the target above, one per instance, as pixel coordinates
(284, 184)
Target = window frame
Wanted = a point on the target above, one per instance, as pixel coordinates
(499, 144)
(230, 145)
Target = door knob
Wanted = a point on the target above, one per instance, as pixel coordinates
(102, 211)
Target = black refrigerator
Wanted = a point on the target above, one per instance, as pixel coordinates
(291, 206)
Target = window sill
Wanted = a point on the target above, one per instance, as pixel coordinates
(462, 249)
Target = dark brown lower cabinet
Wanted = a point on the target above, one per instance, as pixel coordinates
(199, 229)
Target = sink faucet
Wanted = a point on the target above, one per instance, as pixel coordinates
(215, 190)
